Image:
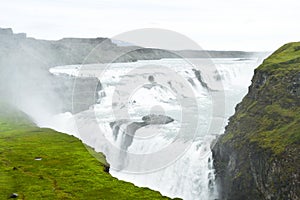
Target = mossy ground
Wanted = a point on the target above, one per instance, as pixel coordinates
(270, 114)
(258, 156)
(66, 169)
(285, 58)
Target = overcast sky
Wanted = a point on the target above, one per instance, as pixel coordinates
(253, 25)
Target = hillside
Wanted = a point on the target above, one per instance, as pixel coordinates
(258, 156)
(38, 163)
(24, 65)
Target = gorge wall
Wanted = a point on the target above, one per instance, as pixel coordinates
(258, 156)
(26, 82)
(24, 63)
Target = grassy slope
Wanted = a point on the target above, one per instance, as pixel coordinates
(281, 124)
(258, 156)
(66, 171)
(276, 124)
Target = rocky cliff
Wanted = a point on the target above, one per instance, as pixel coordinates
(258, 156)
(24, 64)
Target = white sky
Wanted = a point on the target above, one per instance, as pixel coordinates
(252, 25)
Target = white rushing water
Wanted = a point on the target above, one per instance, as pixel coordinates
(157, 156)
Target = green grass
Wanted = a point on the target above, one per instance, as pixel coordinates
(67, 169)
(279, 128)
(258, 156)
(285, 58)
(270, 114)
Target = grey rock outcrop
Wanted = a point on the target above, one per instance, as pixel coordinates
(258, 156)
(132, 127)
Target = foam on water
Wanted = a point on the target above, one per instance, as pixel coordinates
(191, 175)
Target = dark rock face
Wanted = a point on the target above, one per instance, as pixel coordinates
(200, 79)
(129, 128)
(13, 196)
(157, 119)
(258, 156)
(294, 87)
(76, 93)
(106, 168)
(132, 127)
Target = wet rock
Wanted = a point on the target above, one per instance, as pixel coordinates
(157, 119)
(199, 77)
(106, 168)
(151, 79)
(250, 164)
(132, 127)
(38, 158)
(13, 195)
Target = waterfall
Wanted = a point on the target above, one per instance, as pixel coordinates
(134, 142)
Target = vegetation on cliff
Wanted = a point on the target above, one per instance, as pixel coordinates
(258, 156)
(38, 163)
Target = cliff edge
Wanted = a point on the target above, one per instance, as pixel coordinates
(40, 163)
(258, 156)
